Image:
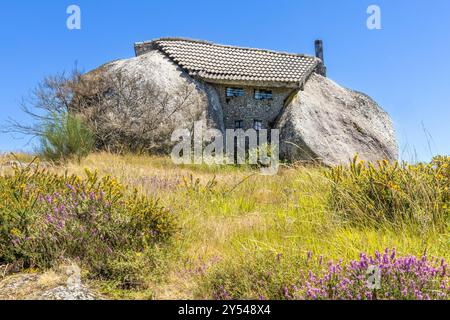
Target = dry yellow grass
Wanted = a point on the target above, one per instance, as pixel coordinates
(242, 214)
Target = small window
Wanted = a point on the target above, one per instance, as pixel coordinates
(257, 125)
(235, 92)
(239, 124)
(263, 95)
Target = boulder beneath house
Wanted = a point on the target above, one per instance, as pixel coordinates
(144, 100)
(197, 98)
(324, 122)
(331, 124)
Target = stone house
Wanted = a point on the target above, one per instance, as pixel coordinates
(232, 87)
(253, 85)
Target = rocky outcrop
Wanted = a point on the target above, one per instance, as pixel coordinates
(167, 78)
(63, 283)
(143, 100)
(330, 124)
(324, 122)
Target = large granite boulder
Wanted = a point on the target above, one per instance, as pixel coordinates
(155, 68)
(143, 100)
(331, 124)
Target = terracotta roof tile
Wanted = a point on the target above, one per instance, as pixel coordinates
(211, 61)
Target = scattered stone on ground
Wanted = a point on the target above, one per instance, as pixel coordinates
(61, 284)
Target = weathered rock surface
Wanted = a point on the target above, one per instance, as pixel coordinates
(143, 101)
(331, 124)
(168, 78)
(62, 284)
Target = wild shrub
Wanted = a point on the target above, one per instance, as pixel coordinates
(261, 276)
(46, 217)
(312, 278)
(392, 192)
(126, 113)
(399, 278)
(65, 136)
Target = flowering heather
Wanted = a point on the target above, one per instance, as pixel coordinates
(243, 236)
(404, 278)
(46, 218)
(311, 278)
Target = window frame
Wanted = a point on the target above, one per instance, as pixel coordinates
(236, 92)
(260, 125)
(240, 126)
(264, 94)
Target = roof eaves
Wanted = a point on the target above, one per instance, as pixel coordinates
(222, 45)
(222, 77)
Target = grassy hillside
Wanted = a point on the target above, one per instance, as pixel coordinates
(243, 235)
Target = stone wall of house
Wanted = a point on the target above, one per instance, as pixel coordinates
(141, 48)
(324, 122)
(248, 109)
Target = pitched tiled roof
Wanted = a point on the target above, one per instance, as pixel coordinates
(218, 63)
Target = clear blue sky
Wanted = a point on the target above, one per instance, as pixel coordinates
(405, 66)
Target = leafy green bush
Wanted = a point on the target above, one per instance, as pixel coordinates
(65, 136)
(393, 193)
(45, 218)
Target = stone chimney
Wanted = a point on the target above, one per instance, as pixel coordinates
(321, 68)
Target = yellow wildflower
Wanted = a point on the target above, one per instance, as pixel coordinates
(16, 232)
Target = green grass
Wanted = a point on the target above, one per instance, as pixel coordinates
(236, 226)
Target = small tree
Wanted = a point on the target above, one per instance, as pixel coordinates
(124, 112)
(62, 132)
(65, 136)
